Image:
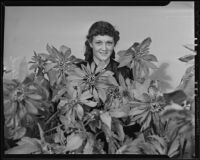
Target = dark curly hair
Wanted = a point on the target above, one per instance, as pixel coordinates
(100, 28)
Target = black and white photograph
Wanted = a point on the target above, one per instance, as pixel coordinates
(99, 80)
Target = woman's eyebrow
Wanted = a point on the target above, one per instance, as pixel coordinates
(110, 41)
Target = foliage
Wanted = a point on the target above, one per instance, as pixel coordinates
(137, 58)
(63, 109)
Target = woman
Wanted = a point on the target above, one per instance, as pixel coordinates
(99, 47)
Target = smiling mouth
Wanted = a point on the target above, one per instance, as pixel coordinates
(103, 53)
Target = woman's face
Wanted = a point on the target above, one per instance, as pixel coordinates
(102, 47)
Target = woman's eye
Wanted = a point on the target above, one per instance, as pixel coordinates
(110, 43)
(98, 42)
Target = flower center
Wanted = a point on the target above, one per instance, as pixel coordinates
(73, 103)
(113, 92)
(18, 94)
(155, 107)
(90, 79)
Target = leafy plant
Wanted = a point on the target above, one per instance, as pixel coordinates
(21, 101)
(94, 80)
(61, 108)
(137, 58)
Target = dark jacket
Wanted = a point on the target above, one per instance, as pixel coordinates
(113, 66)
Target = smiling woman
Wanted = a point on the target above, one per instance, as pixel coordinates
(99, 48)
(99, 53)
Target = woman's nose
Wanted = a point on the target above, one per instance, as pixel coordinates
(103, 47)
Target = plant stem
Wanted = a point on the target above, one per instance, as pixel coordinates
(53, 128)
(51, 117)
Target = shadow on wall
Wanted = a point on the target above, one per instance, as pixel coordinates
(161, 75)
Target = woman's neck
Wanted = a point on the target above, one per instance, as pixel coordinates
(97, 61)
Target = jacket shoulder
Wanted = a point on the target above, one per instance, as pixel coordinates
(125, 71)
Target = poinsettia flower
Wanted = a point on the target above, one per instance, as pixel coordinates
(71, 105)
(61, 62)
(115, 103)
(137, 58)
(39, 61)
(148, 105)
(97, 81)
(21, 100)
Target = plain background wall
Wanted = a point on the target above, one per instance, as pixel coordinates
(29, 29)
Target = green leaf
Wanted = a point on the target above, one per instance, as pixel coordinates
(145, 70)
(118, 113)
(59, 136)
(74, 141)
(31, 108)
(74, 78)
(150, 65)
(143, 116)
(102, 94)
(57, 53)
(9, 107)
(186, 46)
(140, 89)
(160, 140)
(19, 133)
(48, 48)
(147, 122)
(187, 58)
(37, 104)
(49, 66)
(41, 133)
(43, 56)
(95, 94)
(92, 67)
(174, 148)
(113, 81)
(107, 73)
(124, 61)
(147, 98)
(123, 53)
(89, 103)
(150, 57)
(23, 149)
(34, 96)
(106, 119)
(145, 43)
(22, 111)
(79, 111)
(85, 95)
(33, 66)
(79, 72)
(65, 50)
(102, 84)
(121, 81)
(136, 111)
(88, 149)
(88, 68)
(52, 75)
(120, 131)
